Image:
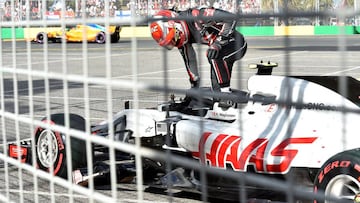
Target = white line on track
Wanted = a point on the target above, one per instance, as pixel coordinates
(206, 65)
(46, 193)
(148, 73)
(57, 97)
(342, 71)
(276, 55)
(69, 59)
(136, 201)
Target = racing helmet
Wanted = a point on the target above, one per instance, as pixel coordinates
(169, 33)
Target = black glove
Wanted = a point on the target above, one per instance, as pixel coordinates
(213, 51)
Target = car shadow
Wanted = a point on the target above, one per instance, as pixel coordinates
(20, 90)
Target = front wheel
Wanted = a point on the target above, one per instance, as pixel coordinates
(50, 146)
(339, 177)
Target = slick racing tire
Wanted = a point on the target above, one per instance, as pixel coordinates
(41, 37)
(50, 146)
(115, 37)
(339, 177)
(100, 38)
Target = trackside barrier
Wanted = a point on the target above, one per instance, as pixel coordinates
(128, 32)
(8, 33)
(95, 115)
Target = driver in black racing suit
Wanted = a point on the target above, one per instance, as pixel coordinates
(225, 44)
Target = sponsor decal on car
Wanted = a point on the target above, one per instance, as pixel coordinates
(336, 164)
(225, 149)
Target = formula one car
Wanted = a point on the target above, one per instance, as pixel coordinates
(93, 32)
(281, 126)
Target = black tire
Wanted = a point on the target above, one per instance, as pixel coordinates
(41, 37)
(339, 177)
(55, 40)
(115, 37)
(57, 141)
(101, 38)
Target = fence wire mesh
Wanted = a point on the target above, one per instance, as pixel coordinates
(89, 122)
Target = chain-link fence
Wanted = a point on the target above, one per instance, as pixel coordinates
(88, 115)
(56, 9)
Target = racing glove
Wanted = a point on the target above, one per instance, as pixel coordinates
(213, 51)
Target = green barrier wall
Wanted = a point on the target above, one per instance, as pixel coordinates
(6, 33)
(257, 31)
(335, 30)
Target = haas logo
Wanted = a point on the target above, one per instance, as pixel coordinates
(225, 150)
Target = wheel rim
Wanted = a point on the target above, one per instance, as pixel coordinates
(41, 37)
(344, 187)
(101, 38)
(47, 148)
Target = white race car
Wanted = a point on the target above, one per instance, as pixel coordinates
(281, 126)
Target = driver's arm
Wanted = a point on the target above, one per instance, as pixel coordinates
(189, 55)
(224, 19)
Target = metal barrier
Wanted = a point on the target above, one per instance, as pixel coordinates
(105, 121)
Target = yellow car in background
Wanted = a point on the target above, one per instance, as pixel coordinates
(94, 33)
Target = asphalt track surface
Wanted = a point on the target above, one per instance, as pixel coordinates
(308, 55)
